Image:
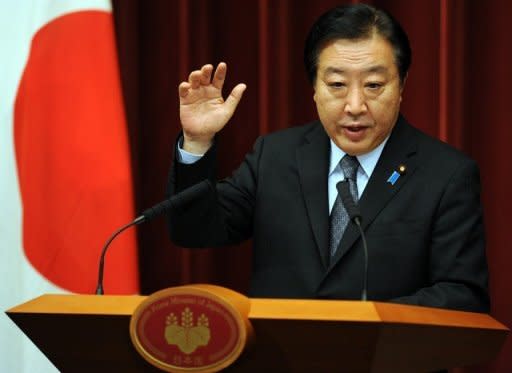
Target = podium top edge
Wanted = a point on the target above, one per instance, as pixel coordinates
(378, 312)
(276, 309)
(81, 304)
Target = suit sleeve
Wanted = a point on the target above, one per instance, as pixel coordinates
(222, 217)
(458, 265)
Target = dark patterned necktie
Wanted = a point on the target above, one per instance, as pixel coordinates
(339, 217)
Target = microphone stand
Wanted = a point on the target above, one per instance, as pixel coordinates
(99, 287)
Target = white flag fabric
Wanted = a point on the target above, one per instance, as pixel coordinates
(65, 176)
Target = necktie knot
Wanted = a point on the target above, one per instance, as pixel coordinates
(349, 165)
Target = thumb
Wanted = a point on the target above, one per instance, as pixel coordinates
(234, 97)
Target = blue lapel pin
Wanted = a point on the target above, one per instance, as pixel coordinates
(396, 174)
(393, 178)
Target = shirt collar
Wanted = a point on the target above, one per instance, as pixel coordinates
(367, 161)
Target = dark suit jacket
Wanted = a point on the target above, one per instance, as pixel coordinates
(425, 233)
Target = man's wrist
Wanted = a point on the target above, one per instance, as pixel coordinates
(185, 157)
(196, 146)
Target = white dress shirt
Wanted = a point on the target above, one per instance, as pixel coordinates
(367, 164)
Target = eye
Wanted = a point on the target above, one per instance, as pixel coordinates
(336, 84)
(374, 85)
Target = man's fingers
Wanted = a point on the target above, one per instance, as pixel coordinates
(220, 75)
(206, 74)
(235, 97)
(195, 79)
(201, 77)
(183, 89)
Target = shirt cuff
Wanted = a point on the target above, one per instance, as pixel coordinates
(186, 157)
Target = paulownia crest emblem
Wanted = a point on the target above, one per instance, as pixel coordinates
(187, 336)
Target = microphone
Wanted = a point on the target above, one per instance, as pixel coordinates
(177, 201)
(355, 215)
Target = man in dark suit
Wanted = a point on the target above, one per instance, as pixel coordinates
(419, 198)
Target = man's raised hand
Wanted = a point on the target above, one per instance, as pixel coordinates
(203, 111)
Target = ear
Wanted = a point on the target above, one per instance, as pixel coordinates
(402, 84)
(314, 91)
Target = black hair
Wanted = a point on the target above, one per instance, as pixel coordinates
(356, 21)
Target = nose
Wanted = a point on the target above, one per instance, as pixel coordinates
(355, 103)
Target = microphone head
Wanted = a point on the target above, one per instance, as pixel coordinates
(179, 200)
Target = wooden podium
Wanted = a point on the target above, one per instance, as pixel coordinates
(89, 333)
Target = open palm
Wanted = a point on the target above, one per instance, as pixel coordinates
(203, 111)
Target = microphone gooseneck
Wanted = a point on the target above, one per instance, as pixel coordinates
(99, 286)
(177, 201)
(354, 213)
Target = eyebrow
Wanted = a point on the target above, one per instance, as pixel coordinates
(371, 69)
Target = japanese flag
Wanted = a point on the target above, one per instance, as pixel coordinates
(65, 177)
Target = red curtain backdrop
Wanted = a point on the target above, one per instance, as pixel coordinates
(459, 89)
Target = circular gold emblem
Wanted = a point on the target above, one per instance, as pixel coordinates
(190, 328)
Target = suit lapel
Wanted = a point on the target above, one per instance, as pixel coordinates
(399, 150)
(313, 164)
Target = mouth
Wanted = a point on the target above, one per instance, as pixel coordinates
(354, 128)
(354, 132)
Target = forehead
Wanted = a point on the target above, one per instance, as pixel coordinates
(373, 54)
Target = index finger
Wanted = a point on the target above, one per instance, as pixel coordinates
(183, 89)
(220, 75)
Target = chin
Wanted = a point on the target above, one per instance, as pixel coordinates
(352, 148)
